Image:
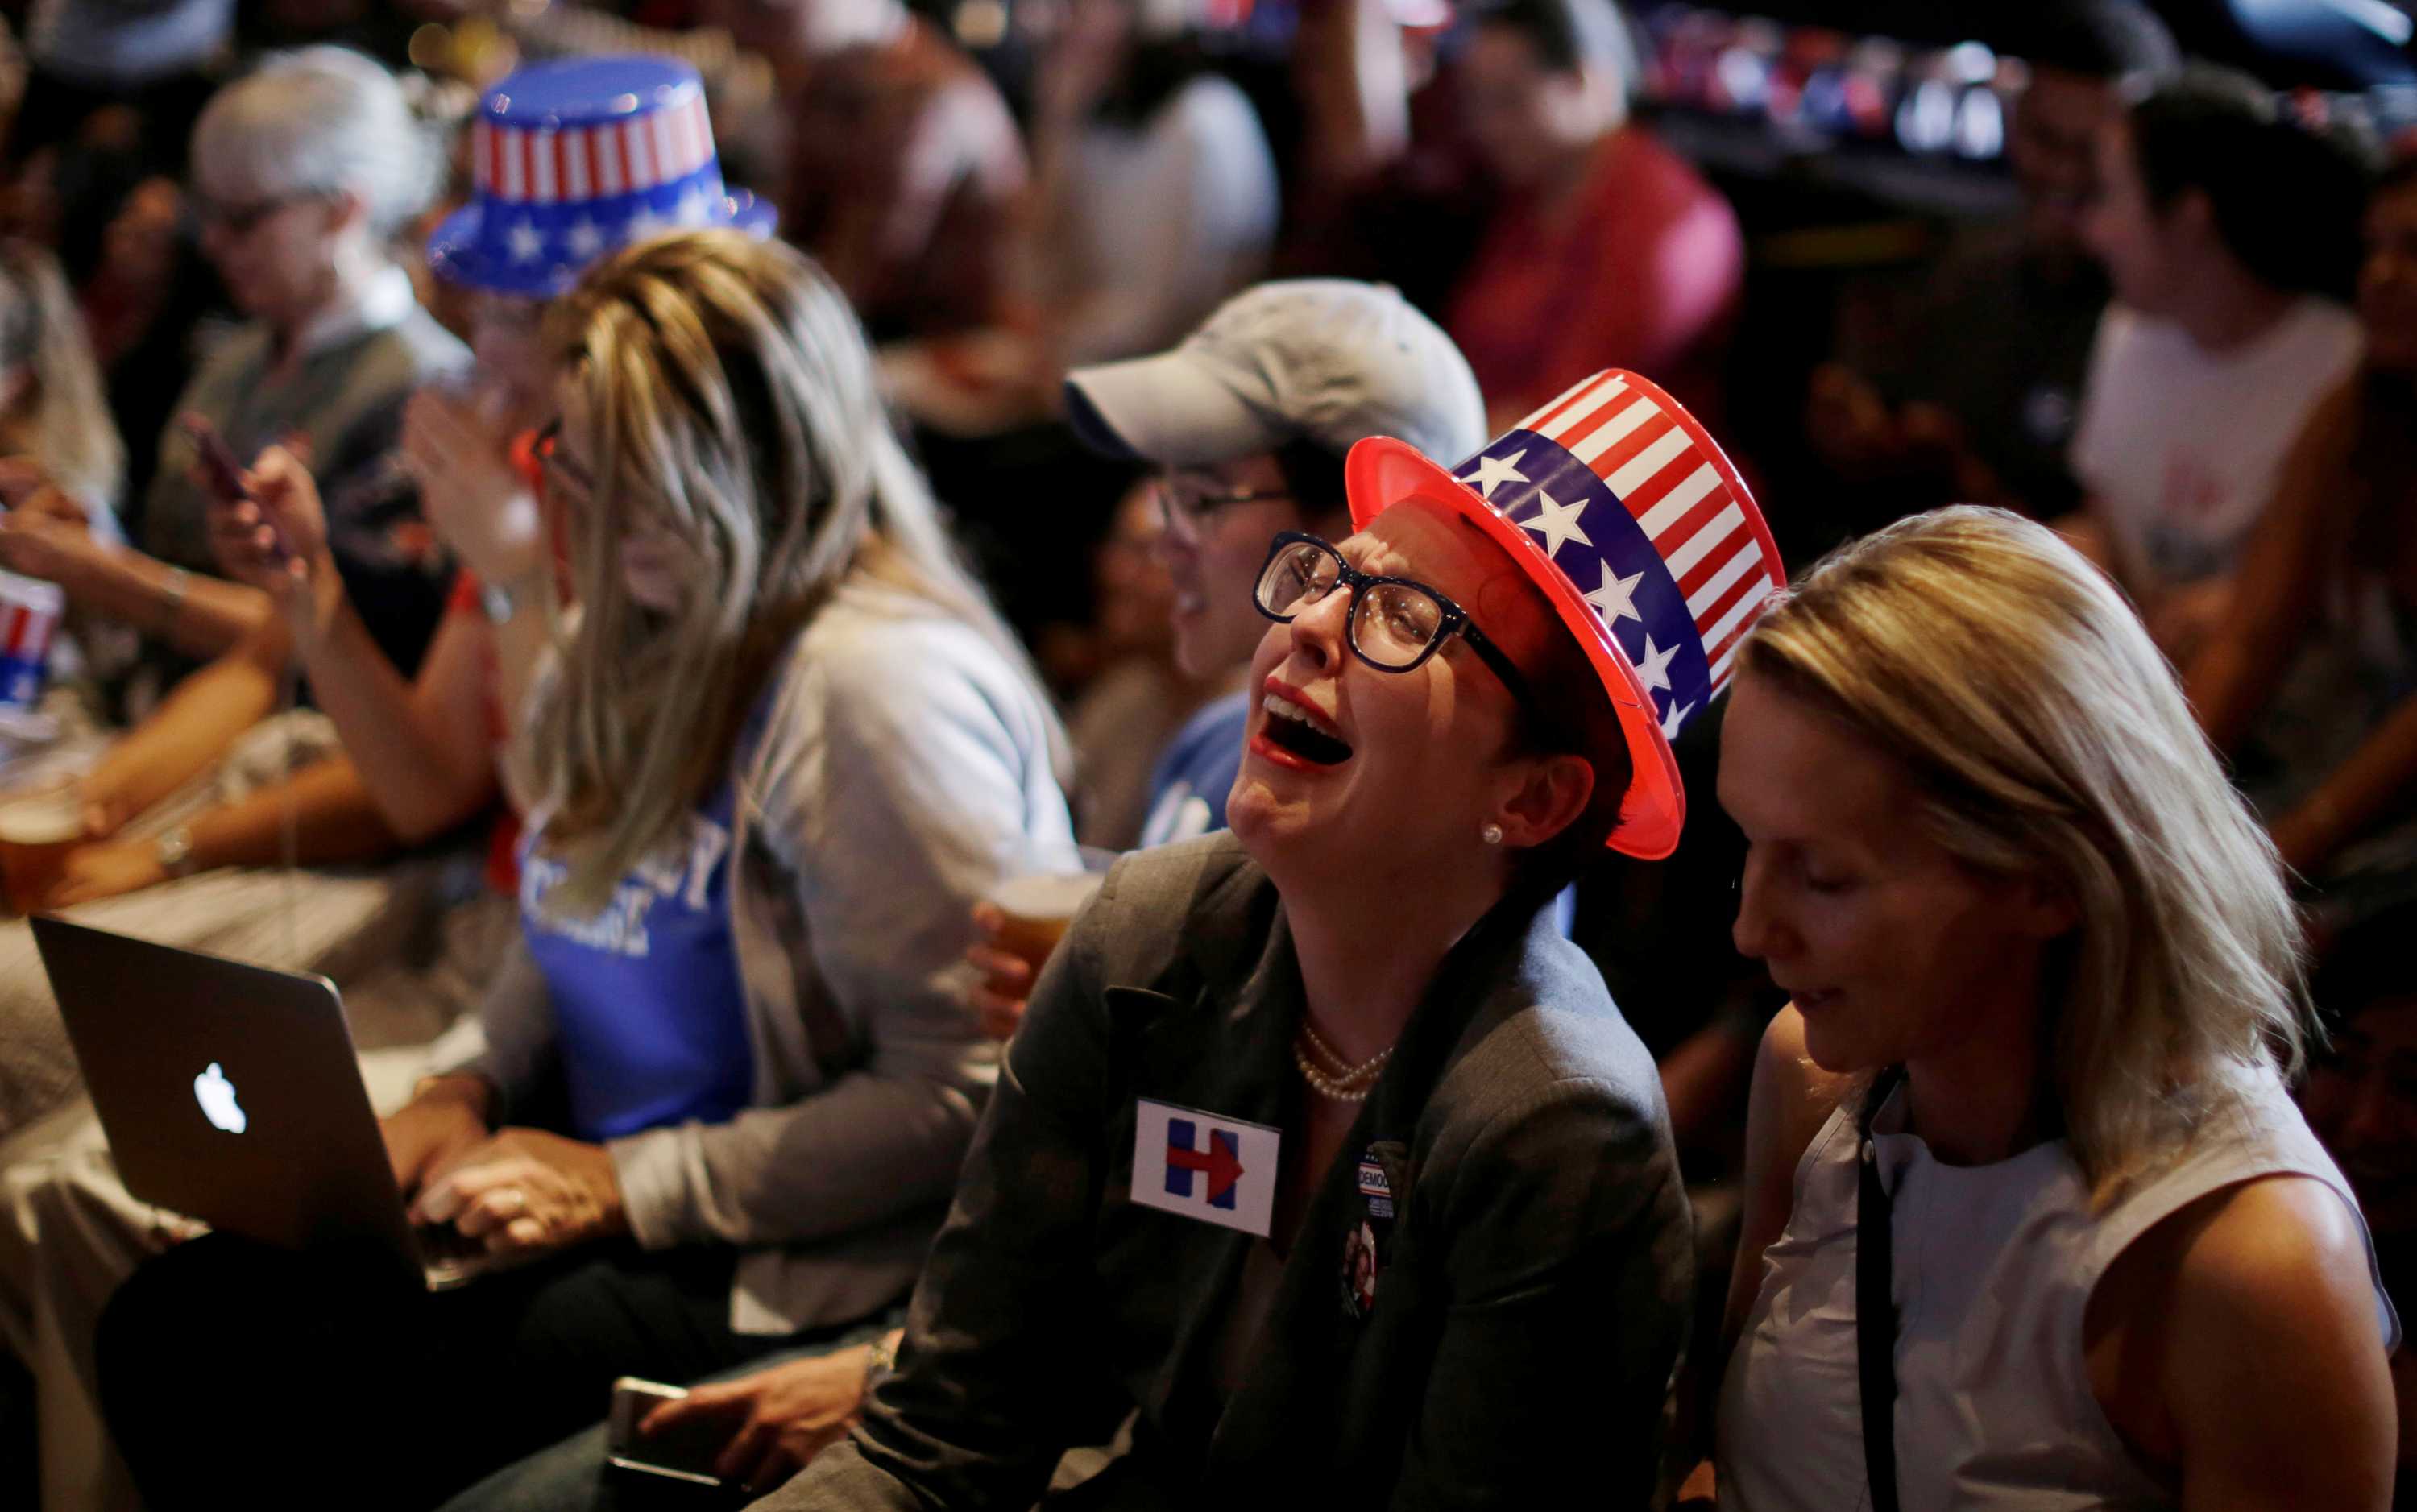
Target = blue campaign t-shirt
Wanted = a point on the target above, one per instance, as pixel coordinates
(649, 1007)
(1188, 787)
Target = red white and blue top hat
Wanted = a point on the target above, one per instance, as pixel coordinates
(1619, 506)
(571, 159)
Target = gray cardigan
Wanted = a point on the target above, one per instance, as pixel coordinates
(1526, 1322)
(898, 765)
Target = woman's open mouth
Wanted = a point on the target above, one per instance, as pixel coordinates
(1301, 732)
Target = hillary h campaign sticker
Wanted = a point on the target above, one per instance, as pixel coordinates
(1205, 1166)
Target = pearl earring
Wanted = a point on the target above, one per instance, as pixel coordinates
(1490, 833)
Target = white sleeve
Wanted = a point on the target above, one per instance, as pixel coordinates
(2098, 432)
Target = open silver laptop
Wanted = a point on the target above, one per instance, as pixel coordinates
(231, 1093)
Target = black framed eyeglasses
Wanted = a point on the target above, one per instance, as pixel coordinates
(1395, 623)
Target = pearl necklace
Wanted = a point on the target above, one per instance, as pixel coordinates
(1329, 1074)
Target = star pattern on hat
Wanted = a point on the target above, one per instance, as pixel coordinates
(1676, 717)
(695, 209)
(1492, 471)
(1558, 523)
(646, 223)
(1653, 671)
(526, 242)
(584, 238)
(1616, 600)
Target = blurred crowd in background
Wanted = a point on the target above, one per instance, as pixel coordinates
(1896, 255)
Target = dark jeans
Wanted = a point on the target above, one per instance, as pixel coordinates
(234, 1373)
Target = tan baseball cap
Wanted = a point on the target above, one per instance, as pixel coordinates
(1329, 360)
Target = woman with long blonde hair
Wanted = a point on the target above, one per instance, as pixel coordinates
(618, 745)
(785, 748)
(2027, 1197)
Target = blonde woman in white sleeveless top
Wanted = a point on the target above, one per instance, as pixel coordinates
(2006, 883)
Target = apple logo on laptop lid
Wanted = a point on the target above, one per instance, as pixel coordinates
(215, 1095)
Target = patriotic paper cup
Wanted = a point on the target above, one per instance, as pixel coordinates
(1630, 521)
(30, 610)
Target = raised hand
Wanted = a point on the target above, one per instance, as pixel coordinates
(480, 502)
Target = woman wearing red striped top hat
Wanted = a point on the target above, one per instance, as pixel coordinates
(1320, 1152)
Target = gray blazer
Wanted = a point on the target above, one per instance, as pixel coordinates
(1532, 1290)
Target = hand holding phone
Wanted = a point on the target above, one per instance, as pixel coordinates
(223, 476)
(683, 1450)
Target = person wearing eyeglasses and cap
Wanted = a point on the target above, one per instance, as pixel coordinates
(1354, 1011)
(1246, 423)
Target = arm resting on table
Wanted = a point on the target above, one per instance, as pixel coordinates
(192, 727)
(332, 815)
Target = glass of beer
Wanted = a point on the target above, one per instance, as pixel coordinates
(1038, 909)
(38, 829)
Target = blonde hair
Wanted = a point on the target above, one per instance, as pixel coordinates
(729, 397)
(41, 329)
(2050, 739)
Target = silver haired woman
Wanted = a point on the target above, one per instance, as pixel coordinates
(303, 171)
(786, 747)
(2027, 1199)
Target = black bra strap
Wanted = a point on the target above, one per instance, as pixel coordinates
(1876, 1304)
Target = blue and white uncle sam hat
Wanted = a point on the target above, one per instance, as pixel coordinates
(571, 159)
(1627, 516)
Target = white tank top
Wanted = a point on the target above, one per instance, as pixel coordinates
(1994, 1265)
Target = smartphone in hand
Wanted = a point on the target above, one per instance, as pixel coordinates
(225, 474)
(684, 1452)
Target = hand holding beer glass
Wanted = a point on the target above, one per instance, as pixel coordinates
(1020, 924)
(38, 829)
